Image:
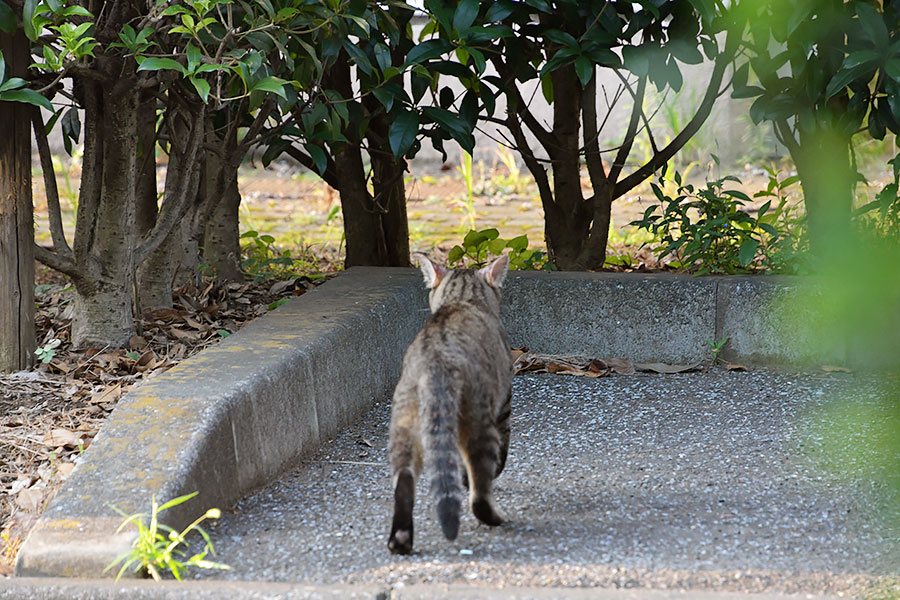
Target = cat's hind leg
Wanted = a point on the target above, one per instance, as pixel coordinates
(482, 453)
(405, 451)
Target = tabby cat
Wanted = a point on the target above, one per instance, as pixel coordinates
(452, 401)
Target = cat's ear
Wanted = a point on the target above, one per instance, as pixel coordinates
(433, 273)
(495, 273)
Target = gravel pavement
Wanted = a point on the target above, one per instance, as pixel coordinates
(696, 481)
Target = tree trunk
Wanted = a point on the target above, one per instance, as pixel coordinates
(390, 198)
(154, 289)
(567, 225)
(221, 239)
(826, 174)
(104, 301)
(376, 229)
(16, 218)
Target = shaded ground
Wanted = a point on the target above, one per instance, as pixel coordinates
(706, 480)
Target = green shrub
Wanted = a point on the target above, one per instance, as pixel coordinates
(707, 230)
(478, 246)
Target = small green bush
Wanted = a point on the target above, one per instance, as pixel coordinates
(708, 231)
(478, 246)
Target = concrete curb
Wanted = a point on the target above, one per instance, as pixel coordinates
(49, 588)
(663, 317)
(80, 589)
(238, 414)
(232, 417)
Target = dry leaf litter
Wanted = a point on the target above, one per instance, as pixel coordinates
(50, 414)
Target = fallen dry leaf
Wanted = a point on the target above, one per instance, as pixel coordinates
(736, 367)
(517, 352)
(29, 500)
(528, 362)
(61, 437)
(110, 394)
(64, 470)
(835, 369)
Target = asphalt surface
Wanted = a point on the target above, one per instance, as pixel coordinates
(714, 481)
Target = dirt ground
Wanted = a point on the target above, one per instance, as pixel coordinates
(301, 211)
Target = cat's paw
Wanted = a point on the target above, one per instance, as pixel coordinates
(484, 511)
(401, 541)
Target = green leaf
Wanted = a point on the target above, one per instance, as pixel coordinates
(2, 67)
(202, 87)
(319, 158)
(13, 83)
(518, 243)
(844, 77)
(873, 24)
(28, 19)
(685, 51)
(7, 21)
(26, 96)
(193, 57)
(465, 14)
(456, 253)
(159, 64)
(748, 91)
(426, 50)
(499, 11)
(274, 85)
(892, 68)
(585, 69)
(403, 132)
(382, 56)
(636, 59)
(747, 251)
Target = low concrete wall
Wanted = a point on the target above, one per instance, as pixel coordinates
(237, 415)
(232, 417)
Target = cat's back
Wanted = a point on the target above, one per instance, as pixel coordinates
(465, 327)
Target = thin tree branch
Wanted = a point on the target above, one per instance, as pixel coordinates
(57, 233)
(520, 107)
(644, 118)
(534, 166)
(784, 135)
(625, 149)
(56, 262)
(330, 176)
(591, 134)
(712, 92)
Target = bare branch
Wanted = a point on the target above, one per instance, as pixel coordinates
(330, 176)
(534, 166)
(712, 92)
(644, 117)
(57, 233)
(56, 262)
(591, 135)
(636, 110)
(784, 135)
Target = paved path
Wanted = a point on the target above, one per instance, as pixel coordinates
(701, 481)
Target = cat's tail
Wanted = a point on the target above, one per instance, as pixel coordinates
(439, 418)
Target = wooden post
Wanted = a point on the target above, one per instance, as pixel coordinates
(16, 218)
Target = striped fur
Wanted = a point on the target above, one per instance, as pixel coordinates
(451, 406)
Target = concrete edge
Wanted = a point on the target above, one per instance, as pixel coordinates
(466, 592)
(238, 414)
(232, 417)
(50, 588)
